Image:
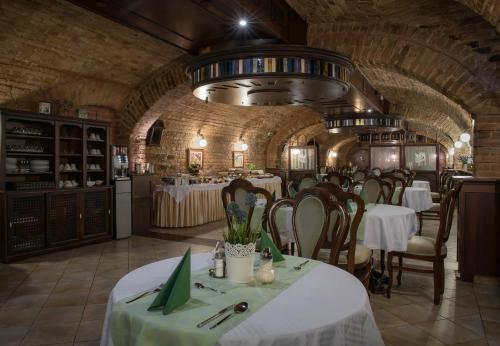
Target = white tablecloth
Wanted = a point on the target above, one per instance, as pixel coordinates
(422, 183)
(180, 192)
(327, 306)
(417, 198)
(387, 227)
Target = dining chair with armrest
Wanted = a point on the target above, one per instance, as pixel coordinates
(280, 239)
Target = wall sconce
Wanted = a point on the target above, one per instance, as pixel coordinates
(458, 144)
(244, 146)
(332, 154)
(465, 137)
(202, 142)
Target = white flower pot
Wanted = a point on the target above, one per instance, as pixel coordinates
(239, 262)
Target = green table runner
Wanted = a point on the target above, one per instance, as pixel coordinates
(132, 324)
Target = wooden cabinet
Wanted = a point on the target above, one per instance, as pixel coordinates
(54, 183)
(479, 228)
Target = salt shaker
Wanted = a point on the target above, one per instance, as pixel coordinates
(265, 274)
(219, 259)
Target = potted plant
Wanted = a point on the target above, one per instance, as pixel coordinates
(239, 241)
(465, 160)
(194, 169)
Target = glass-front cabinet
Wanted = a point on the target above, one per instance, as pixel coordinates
(302, 158)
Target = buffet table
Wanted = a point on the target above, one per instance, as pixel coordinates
(192, 205)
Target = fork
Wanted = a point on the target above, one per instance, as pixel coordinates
(299, 267)
(144, 294)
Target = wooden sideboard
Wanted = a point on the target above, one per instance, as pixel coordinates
(479, 228)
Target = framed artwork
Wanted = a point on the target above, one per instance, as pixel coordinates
(302, 158)
(44, 107)
(421, 157)
(238, 159)
(195, 156)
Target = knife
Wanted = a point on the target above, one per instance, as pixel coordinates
(223, 311)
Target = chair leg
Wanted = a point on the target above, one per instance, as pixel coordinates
(437, 282)
(420, 223)
(292, 248)
(441, 265)
(382, 261)
(400, 269)
(390, 271)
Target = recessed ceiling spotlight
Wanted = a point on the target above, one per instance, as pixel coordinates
(369, 110)
(242, 22)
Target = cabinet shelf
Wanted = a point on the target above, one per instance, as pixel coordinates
(71, 155)
(20, 153)
(70, 138)
(29, 173)
(16, 136)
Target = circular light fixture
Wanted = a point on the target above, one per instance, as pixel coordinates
(244, 146)
(242, 22)
(271, 75)
(369, 110)
(364, 123)
(465, 137)
(451, 151)
(458, 144)
(203, 142)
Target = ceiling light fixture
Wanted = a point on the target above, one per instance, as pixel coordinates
(271, 75)
(242, 22)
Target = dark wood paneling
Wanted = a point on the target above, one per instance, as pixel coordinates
(479, 228)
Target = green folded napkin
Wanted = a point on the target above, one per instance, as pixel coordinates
(177, 289)
(265, 241)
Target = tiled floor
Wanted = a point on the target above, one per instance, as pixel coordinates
(60, 298)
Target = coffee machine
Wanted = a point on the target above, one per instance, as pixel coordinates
(119, 167)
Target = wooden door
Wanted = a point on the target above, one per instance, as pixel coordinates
(63, 217)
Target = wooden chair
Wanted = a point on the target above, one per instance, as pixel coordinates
(376, 172)
(280, 240)
(237, 191)
(302, 182)
(338, 179)
(387, 192)
(372, 190)
(359, 176)
(428, 249)
(399, 187)
(311, 221)
(399, 173)
(354, 258)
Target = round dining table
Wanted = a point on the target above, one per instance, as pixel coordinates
(417, 198)
(326, 306)
(422, 183)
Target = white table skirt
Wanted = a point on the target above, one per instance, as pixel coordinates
(327, 306)
(180, 192)
(417, 198)
(422, 183)
(387, 227)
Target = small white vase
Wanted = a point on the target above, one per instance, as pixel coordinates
(239, 262)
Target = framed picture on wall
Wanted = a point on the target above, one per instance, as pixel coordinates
(238, 159)
(195, 156)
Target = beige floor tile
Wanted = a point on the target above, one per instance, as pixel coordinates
(12, 336)
(480, 342)
(472, 322)
(62, 314)
(385, 319)
(94, 312)
(448, 332)
(34, 288)
(42, 334)
(17, 317)
(26, 301)
(69, 298)
(381, 301)
(488, 301)
(68, 285)
(89, 331)
(492, 315)
(408, 336)
(415, 313)
(78, 275)
(492, 330)
(456, 307)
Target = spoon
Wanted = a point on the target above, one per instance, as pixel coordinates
(299, 267)
(238, 309)
(200, 285)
